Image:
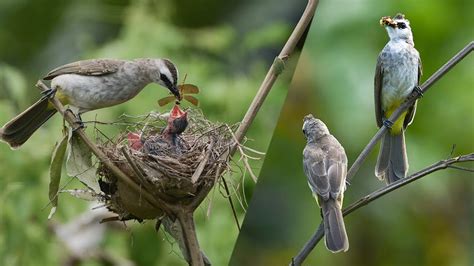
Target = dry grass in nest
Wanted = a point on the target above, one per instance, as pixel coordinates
(175, 174)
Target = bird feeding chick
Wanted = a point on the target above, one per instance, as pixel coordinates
(177, 123)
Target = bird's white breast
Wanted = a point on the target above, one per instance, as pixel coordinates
(400, 72)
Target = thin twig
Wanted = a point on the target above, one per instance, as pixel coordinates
(202, 164)
(244, 156)
(273, 73)
(309, 246)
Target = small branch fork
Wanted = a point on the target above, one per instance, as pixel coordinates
(417, 93)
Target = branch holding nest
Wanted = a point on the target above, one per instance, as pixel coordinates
(69, 117)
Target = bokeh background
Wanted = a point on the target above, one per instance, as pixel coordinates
(224, 47)
(429, 222)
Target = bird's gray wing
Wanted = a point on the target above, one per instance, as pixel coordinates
(337, 178)
(378, 81)
(92, 67)
(315, 168)
(412, 110)
(337, 169)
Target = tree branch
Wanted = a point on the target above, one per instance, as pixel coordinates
(309, 246)
(264, 89)
(275, 71)
(444, 164)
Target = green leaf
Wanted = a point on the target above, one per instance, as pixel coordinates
(79, 163)
(55, 173)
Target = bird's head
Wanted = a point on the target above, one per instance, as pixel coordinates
(314, 128)
(167, 76)
(397, 27)
(177, 121)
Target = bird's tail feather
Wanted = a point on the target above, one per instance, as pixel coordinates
(334, 228)
(19, 129)
(392, 162)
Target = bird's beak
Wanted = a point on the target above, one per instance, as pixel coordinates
(388, 21)
(176, 112)
(174, 89)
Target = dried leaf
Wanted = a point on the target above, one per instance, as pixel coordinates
(79, 163)
(55, 173)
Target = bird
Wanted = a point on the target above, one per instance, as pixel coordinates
(325, 166)
(177, 121)
(90, 85)
(397, 74)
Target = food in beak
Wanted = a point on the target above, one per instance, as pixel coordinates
(387, 21)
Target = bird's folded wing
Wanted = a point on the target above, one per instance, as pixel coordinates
(92, 67)
(378, 80)
(315, 170)
(337, 178)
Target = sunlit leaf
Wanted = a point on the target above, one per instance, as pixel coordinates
(55, 173)
(79, 163)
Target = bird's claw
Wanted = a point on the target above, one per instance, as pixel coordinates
(80, 124)
(418, 91)
(49, 93)
(387, 123)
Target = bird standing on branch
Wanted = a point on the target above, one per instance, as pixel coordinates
(89, 85)
(397, 73)
(325, 165)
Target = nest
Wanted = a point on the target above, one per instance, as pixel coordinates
(173, 172)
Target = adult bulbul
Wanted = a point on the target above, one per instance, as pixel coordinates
(397, 73)
(325, 165)
(89, 85)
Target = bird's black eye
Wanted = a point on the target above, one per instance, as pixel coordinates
(401, 25)
(304, 132)
(164, 78)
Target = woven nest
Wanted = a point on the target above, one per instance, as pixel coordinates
(173, 172)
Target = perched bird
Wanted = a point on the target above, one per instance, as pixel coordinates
(325, 165)
(397, 73)
(89, 85)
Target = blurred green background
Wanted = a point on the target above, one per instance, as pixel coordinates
(225, 47)
(429, 222)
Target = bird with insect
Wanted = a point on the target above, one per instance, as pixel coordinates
(184, 91)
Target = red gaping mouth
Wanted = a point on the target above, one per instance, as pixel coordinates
(176, 112)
